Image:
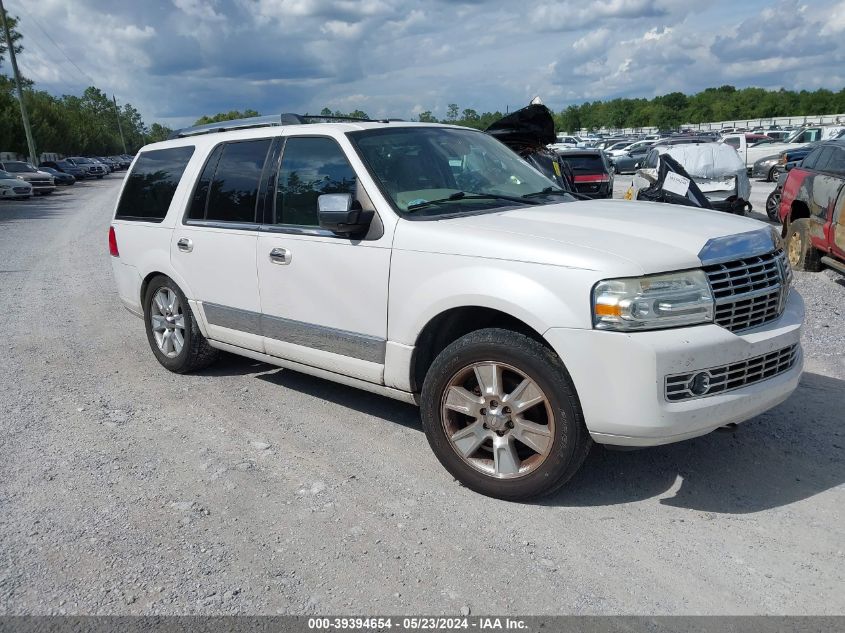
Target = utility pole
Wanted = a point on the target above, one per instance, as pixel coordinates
(119, 126)
(11, 48)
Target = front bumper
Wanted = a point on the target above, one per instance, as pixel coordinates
(620, 377)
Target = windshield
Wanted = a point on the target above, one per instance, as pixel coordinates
(438, 171)
(17, 167)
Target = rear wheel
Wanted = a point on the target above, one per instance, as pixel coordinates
(172, 329)
(502, 416)
(799, 249)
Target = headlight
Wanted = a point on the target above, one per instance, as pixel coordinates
(652, 302)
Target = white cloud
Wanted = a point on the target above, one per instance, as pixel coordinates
(397, 57)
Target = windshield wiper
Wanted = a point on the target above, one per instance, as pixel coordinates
(546, 192)
(463, 195)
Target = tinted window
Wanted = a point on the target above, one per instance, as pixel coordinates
(152, 182)
(733, 142)
(836, 164)
(823, 156)
(310, 167)
(233, 192)
(810, 160)
(585, 162)
(200, 199)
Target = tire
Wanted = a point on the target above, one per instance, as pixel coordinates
(554, 425)
(773, 205)
(800, 251)
(195, 352)
(772, 175)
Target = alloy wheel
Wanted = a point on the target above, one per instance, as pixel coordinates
(167, 321)
(497, 419)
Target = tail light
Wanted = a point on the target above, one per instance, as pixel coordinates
(592, 178)
(113, 243)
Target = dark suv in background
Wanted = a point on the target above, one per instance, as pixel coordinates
(812, 209)
(592, 174)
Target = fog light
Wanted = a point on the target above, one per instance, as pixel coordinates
(700, 383)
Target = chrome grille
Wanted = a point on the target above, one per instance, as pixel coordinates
(750, 291)
(733, 376)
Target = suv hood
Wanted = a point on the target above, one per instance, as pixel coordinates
(616, 236)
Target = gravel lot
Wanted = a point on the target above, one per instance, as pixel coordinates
(125, 489)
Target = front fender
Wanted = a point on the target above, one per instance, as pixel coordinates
(424, 285)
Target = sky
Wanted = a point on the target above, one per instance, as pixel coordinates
(176, 60)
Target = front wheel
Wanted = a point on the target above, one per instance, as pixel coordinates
(773, 205)
(501, 414)
(172, 329)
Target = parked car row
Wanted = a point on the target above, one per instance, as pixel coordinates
(20, 179)
(812, 208)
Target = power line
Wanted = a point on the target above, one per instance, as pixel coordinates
(58, 48)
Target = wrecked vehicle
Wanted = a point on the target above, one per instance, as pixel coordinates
(592, 173)
(716, 169)
(528, 132)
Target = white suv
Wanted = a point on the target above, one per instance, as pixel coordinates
(431, 264)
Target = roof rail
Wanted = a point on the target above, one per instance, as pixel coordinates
(287, 118)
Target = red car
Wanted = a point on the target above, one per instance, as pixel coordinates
(812, 209)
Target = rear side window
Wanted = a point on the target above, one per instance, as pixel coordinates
(232, 193)
(151, 184)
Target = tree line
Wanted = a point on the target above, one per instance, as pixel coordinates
(67, 124)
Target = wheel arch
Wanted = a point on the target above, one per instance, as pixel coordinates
(453, 323)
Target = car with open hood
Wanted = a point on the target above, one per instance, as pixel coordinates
(432, 264)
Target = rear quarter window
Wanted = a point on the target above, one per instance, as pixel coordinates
(151, 184)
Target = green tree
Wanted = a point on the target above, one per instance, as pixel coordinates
(226, 116)
(427, 117)
(452, 112)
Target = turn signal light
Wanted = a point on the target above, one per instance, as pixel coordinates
(113, 243)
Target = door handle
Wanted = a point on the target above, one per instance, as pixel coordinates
(281, 256)
(185, 245)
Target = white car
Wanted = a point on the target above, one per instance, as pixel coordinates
(13, 187)
(431, 264)
(810, 134)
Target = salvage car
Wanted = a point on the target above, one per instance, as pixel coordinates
(714, 167)
(529, 132)
(811, 209)
(431, 264)
(592, 173)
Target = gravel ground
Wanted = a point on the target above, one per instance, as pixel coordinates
(125, 489)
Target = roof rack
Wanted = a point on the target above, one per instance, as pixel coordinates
(287, 118)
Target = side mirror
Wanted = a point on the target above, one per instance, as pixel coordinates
(340, 214)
